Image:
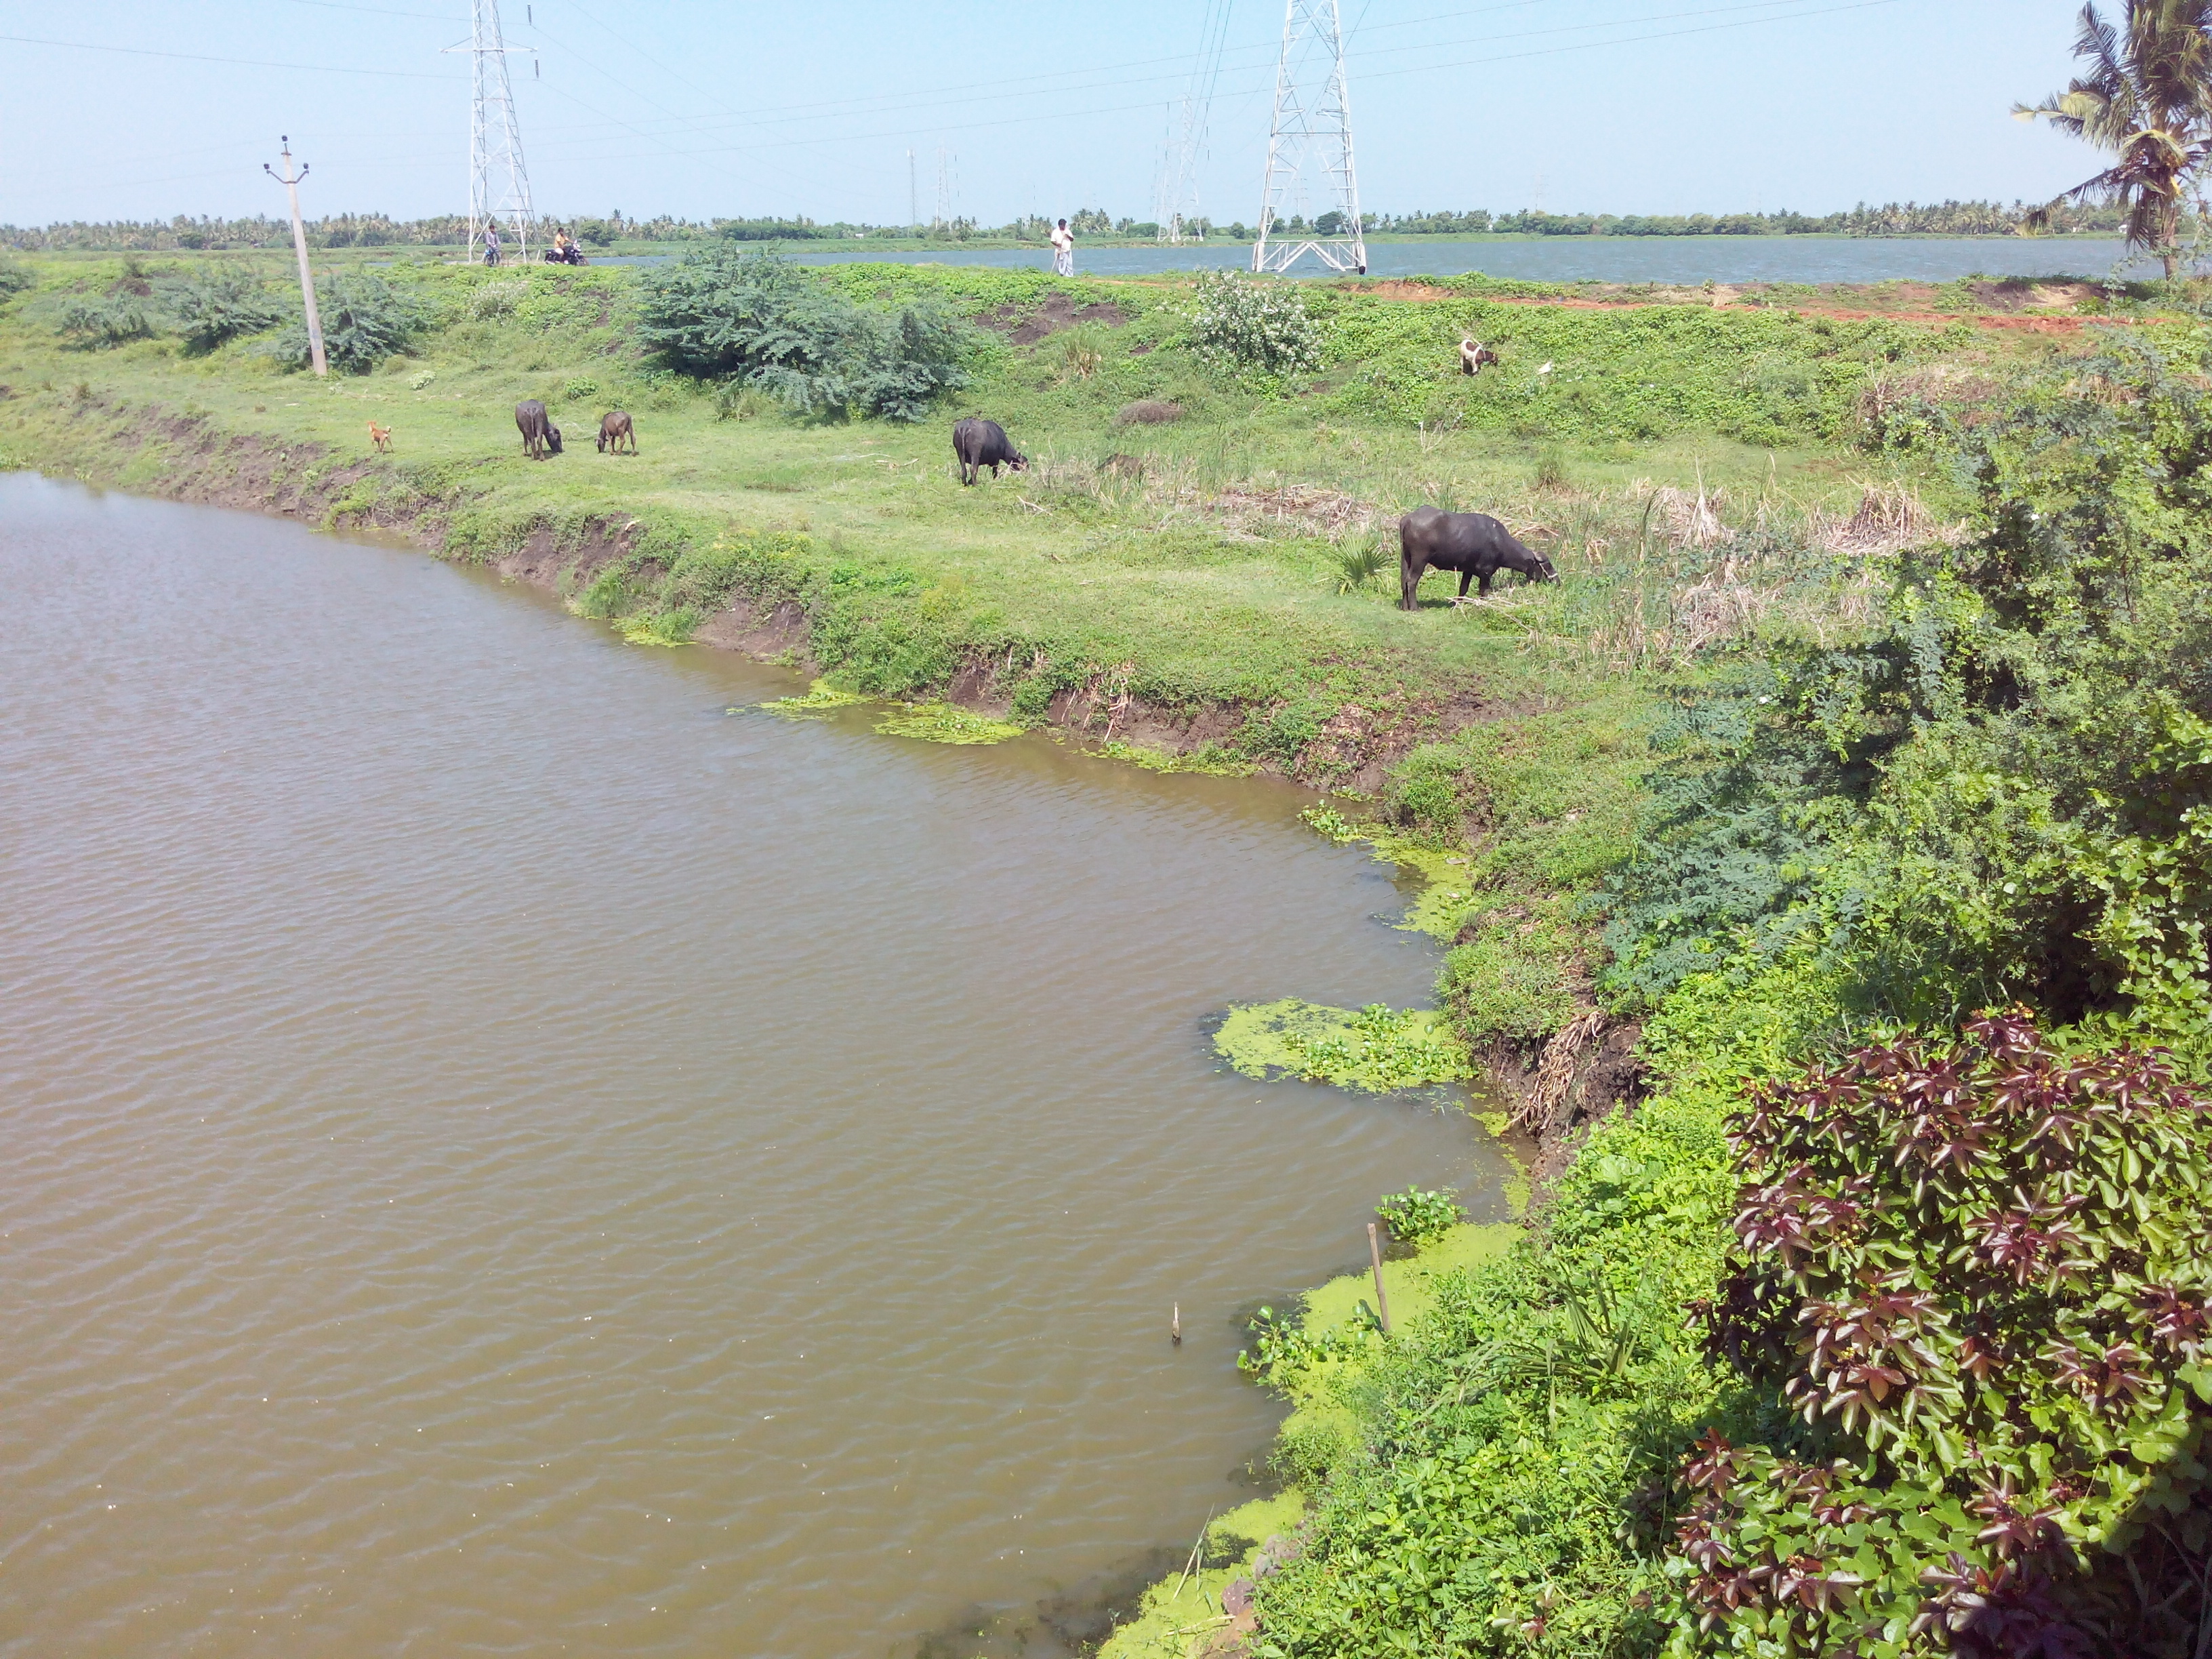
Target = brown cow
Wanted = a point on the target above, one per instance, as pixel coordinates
(614, 427)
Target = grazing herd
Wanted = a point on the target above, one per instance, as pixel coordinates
(1474, 545)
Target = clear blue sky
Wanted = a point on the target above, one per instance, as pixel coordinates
(704, 109)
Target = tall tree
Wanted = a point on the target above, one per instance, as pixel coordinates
(2147, 101)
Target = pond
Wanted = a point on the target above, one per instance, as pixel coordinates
(510, 1156)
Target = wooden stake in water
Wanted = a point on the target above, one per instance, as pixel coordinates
(1375, 1253)
(1175, 1324)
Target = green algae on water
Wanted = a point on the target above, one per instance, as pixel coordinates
(1441, 908)
(820, 698)
(943, 722)
(1376, 1049)
(1211, 760)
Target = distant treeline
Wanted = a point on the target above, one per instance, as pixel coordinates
(355, 230)
(1892, 219)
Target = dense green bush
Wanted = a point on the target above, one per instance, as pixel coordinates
(1970, 1298)
(1477, 1500)
(216, 305)
(109, 320)
(364, 320)
(753, 318)
(2001, 791)
(13, 278)
(1240, 326)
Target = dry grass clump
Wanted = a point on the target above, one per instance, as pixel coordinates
(1308, 509)
(1148, 411)
(1964, 390)
(1889, 519)
(1681, 519)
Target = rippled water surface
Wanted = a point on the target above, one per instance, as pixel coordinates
(504, 1157)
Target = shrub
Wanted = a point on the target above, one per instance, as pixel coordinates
(13, 278)
(1360, 564)
(113, 320)
(497, 299)
(364, 320)
(736, 401)
(1418, 1218)
(1244, 327)
(221, 305)
(726, 314)
(1998, 791)
(1977, 1271)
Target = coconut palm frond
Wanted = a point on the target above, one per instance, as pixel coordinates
(2145, 98)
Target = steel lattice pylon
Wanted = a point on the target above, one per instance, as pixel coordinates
(499, 184)
(1312, 134)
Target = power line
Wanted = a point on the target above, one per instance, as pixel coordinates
(380, 11)
(203, 57)
(783, 114)
(1421, 68)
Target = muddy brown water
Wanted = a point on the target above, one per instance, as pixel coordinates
(504, 1156)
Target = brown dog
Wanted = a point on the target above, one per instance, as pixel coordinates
(381, 437)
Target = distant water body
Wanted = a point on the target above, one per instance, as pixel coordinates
(1581, 258)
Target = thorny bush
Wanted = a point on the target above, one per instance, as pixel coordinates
(1971, 1284)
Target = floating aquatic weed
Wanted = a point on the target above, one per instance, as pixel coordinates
(1377, 1049)
(820, 698)
(941, 722)
(1447, 893)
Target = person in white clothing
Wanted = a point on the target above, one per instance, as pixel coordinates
(1063, 250)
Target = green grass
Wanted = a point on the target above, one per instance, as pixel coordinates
(1191, 565)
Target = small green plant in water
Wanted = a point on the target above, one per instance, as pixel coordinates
(1376, 1050)
(820, 697)
(1418, 1218)
(942, 722)
(1281, 1348)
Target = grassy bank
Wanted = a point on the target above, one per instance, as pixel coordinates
(1875, 688)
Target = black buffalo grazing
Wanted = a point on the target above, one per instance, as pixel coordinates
(539, 436)
(979, 443)
(614, 427)
(1474, 543)
(1472, 355)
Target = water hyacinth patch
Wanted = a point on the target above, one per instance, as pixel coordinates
(1376, 1050)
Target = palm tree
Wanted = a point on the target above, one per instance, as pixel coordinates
(2146, 99)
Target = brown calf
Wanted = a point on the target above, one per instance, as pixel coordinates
(614, 427)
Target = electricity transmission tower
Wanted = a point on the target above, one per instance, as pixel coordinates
(1309, 150)
(947, 162)
(499, 184)
(1175, 194)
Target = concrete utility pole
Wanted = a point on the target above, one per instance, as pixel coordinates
(290, 181)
